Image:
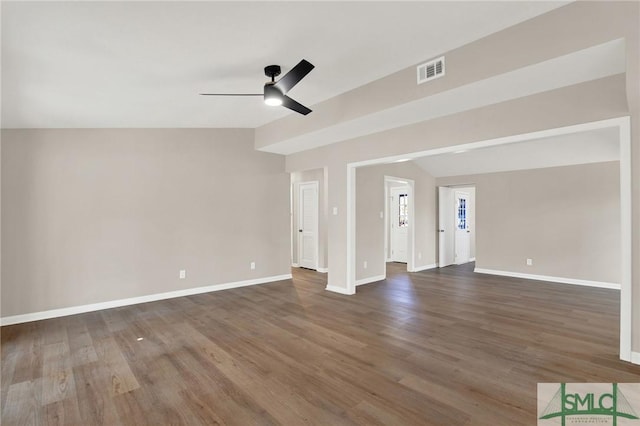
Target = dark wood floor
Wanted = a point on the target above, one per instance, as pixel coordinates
(441, 347)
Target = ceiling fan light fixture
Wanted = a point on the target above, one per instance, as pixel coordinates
(275, 92)
(272, 96)
(273, 101)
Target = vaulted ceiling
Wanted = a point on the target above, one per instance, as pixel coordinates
(142, 64)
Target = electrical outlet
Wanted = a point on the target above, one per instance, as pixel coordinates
(381, 215)
(182, 274)
(419, 255)
(364, 264)
(529, 262)
(253, 265)
(335, 211)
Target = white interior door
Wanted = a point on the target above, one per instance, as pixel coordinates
(399, 225)
(463, 234)
(446, 225)
(308, 225)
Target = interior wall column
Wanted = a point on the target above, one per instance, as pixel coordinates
(337, 229)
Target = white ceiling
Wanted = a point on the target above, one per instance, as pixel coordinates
(142, 64)
(577, 148)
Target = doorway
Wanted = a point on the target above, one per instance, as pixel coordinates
(308, 225)
(456, 225)
(399, 223)
(622, 127)
(399, 229)
(462, 246)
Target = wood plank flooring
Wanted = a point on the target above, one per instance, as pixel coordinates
(440, 347)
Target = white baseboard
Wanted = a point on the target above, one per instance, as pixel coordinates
(73, 310)
(340, 290)
(368, 280)
(321, 270)
(635, 358)
(425, 267)
(562, 280)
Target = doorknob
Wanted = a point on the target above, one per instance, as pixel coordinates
(299, 230)
(441, 230)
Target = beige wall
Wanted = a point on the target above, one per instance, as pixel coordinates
(370, 227)
(596, 100)
(567, 219)
(98, 215)
(561, 31)
(564, 30)
(316, 175)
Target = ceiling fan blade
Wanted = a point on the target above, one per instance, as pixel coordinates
(231, 94)
(294, 76)
(287, 102)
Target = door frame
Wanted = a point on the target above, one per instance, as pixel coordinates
(298, 220)
(393, 216)
(449, 218)
(455, 213)
(622, 124)
(467, 188)
(411, 233)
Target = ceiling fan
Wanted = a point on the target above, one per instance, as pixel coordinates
(275, 92)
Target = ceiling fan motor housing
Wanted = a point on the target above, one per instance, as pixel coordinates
(272, 71)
